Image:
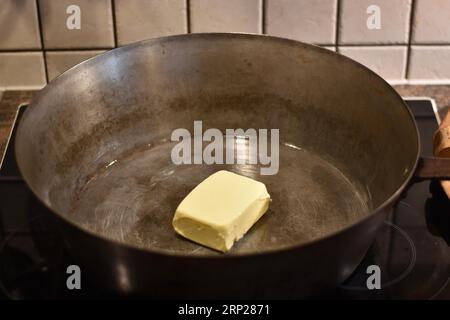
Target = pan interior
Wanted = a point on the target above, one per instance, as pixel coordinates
(133, 200)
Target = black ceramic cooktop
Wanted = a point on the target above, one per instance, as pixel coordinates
(412, 248)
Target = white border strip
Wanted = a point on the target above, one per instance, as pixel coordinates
(433, 103)
(10, 133)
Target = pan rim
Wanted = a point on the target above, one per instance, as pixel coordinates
(390, 201)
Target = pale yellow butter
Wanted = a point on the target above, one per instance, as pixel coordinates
(221, 209)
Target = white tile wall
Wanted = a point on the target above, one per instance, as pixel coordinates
(431, 21)
(96, 27)
(19, 28)
(389, 61)
(394, 18)
(430, 63)
(22, 70)
(142, 19)
(311, 21)
(226, 16)
(60, 61)
(109, 23)
(332, 48)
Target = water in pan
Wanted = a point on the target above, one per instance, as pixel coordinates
(133, 200)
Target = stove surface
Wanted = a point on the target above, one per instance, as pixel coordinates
(412, 247)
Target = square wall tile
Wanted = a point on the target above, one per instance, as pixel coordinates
(429, 63)
(19, 27)
(331, 48)
(22, 70)
(388, 61)
(96, 26)
(431, 22)
(394, 18)
(311, 21)
(226, 16)
(60, 61)
(143, 19)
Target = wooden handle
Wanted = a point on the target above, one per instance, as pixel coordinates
(441, 146)
(437, 168)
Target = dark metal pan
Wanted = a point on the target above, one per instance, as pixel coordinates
(95, 146)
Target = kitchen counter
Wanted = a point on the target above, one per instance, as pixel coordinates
(440, 93)
(9, 101)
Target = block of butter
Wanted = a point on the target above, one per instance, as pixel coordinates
(221, 209)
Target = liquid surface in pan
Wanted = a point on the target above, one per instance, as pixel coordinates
(133, 200)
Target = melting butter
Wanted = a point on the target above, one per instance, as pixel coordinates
(221, 209)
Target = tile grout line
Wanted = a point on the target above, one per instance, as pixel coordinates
(113, 13)
(387, 44)
(188, 16)
(374, 45)
(263, 16)
(337, 37)
(410, 33)
(41, 35)
(54, 50)
(318, 44)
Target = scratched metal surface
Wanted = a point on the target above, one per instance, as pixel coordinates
(358, 142)
(134, 199)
